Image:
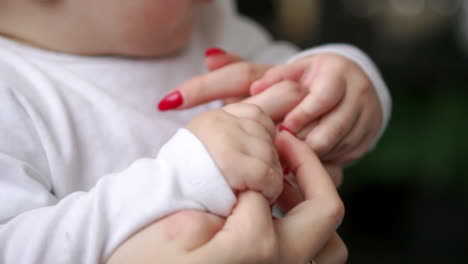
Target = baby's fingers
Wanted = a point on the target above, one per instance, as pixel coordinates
(359, 140)
(254, 113)
(263, 173)
(325, 94)
(333, 128)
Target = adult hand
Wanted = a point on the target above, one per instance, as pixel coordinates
(249, 235)
(230, 79)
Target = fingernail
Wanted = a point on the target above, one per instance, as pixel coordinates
(171, 101)
(283, 128)
(214, 52)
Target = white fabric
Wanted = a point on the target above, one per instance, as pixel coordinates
(85, 157)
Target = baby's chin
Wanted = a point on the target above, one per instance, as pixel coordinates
(154, 48)
(157, 51)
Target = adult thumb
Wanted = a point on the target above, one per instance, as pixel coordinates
(248, 235)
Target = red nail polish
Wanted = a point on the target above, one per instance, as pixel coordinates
(283, 128)
(171, 101)
(214, 52)
(286, 170)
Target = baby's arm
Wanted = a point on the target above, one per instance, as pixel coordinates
(85, 227)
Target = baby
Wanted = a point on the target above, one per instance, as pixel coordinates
(86, 159)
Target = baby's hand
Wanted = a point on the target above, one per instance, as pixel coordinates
(240, 139)
(341, 115)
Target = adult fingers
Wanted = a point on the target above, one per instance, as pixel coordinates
(231, 81)
(334, 252)
(325, 93)
(307, 227)
(279, 99)
(248, 235)
(290, 197)
(191, 229)
(216, 58)
(311, 174)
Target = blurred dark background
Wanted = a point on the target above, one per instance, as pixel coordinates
(407, 201)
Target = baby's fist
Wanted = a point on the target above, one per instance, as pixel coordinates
(240, 139)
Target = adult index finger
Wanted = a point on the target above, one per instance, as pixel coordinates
(231, 81)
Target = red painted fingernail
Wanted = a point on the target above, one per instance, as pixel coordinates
(286, 170)
(214, 52)
(171, 101)
(283, 128)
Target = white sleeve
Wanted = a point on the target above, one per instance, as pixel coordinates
(85, 227)
(246, 38)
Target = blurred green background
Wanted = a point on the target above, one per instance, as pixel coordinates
(407, 201)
